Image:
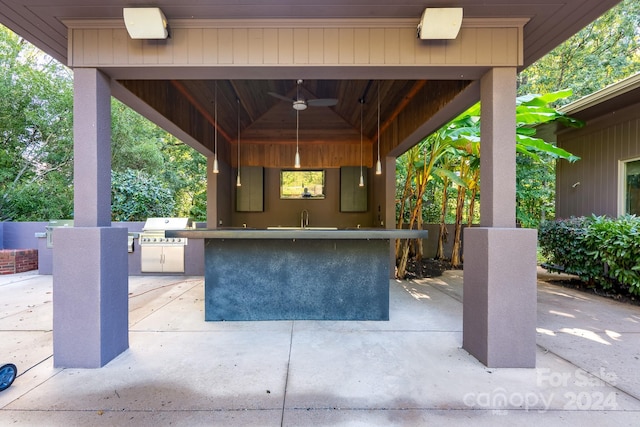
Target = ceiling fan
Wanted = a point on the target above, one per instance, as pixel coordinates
(300, 103)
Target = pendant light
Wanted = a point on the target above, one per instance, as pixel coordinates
(238, 184)
(378, 163)
(215, 137)
(296, 163)
(361, 184)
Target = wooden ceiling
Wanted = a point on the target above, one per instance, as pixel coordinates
(265, 118)
(268, 123)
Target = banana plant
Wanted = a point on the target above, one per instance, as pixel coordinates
(461, 137)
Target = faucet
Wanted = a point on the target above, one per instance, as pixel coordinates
(304, 218)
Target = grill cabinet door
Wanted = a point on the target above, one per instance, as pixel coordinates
(173, 259)
(151, 259)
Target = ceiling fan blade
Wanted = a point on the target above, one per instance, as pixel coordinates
(322, 102)
(284, 98)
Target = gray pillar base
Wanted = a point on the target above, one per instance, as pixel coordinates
(499, 303)
(90, 296)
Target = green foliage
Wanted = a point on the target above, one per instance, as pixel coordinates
(602, 53)
(600, 250)
(535, 190)
(36, 144)
(616, 243)
(136, 195)
(460, 139)
(135, 141)
(35, 133)
(36, 201)
(536, 158)
(186, 176)
(562, 243)
(138, 144)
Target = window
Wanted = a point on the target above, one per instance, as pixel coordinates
(304, 184)
(632, 187)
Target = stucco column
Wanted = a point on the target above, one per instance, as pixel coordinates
(499, 300)
(91, 148)
(498, 150)
(90, 270)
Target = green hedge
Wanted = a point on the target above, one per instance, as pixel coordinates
(602, 251)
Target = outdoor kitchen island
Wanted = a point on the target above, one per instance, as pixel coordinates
(297, 274)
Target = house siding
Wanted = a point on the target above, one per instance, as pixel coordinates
(480, 43)
(602, 144)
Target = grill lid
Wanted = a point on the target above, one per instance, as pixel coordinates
(59, 223)
(156, 224)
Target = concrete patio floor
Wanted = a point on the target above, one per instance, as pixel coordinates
(411, 370)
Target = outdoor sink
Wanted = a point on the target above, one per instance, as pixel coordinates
(301, 228)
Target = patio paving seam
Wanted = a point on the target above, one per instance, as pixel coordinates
(34, 365)
(323, 384)
(438, 288)
(163, 305)
(286, 378)
(614, 386)
(142, 411)
(46, 379)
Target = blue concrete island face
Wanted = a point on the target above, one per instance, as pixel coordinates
(294, 273)
(296, 279)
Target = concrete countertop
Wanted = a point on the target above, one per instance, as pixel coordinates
(299, 233)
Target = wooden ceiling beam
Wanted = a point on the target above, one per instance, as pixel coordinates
(417, 86)
(244, 105)
(200, 108)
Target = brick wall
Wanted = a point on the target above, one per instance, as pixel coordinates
(18, 260)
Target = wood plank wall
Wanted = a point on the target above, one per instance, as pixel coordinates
(395, 44)
(601, 144)
(325, 155)
(487, 44)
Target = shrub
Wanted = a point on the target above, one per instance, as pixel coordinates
(563, 244)
(616, 243)
(600, 250)
(136, 196)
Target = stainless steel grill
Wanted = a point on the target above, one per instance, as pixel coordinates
(154, 228)
(160, 254)
(55, 223)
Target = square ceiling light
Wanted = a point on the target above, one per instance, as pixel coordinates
(145, 23)
(440, 23)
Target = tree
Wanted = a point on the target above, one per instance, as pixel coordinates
(452, 153)
(136, 195)
(186, 176)
(535, 183)
(433, 148)
(138, 144)
(35, 133)
(604, 52)
(36, 143)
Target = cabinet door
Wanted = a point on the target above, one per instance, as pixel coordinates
(250, 195)
(151, 259)
(173, 259)
(353, 198)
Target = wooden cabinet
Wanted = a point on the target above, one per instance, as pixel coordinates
(353, 198)
(250, 195)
